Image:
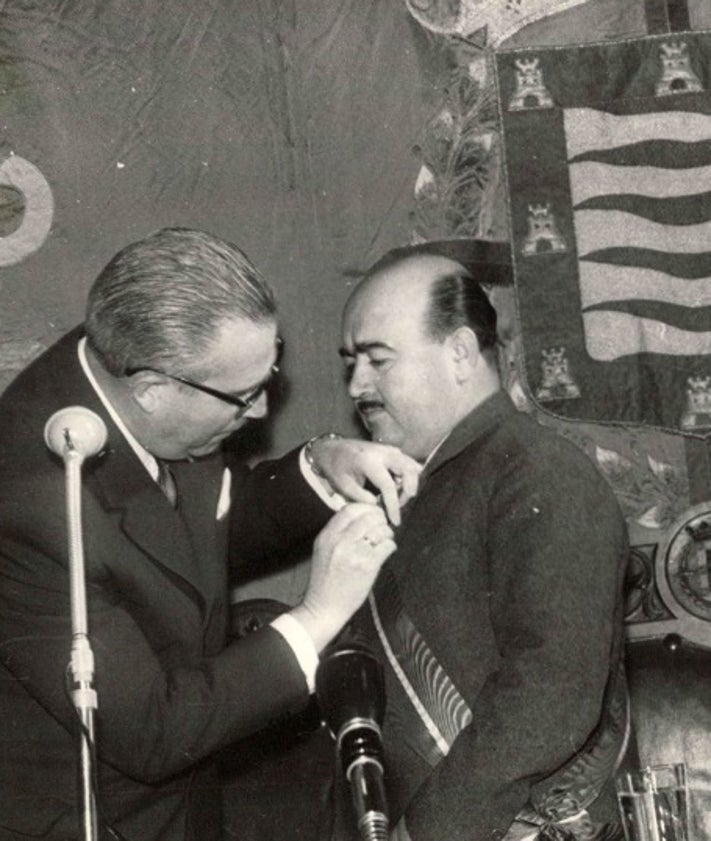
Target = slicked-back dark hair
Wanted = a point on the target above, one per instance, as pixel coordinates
(457, 298)
(159, 302)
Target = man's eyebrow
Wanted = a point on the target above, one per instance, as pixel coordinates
(364, 347)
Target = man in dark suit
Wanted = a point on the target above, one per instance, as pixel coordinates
(499, 616)
(179, 344)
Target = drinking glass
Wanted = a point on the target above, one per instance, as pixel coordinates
(653, 803)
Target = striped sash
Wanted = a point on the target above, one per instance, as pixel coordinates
(435, 713)
(442, 710)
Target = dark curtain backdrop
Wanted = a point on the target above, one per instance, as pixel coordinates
(287, 127)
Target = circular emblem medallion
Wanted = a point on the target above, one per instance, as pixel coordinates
(682, 572)
(688, 564)
(21, 175)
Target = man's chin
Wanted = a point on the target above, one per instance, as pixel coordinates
(208, 448)
(380, 433)
(214, 444)
(201, 452)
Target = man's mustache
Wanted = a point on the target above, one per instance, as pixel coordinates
(366, 404)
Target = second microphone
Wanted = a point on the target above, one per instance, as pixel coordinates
(350, 688)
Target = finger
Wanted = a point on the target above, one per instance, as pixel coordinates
(389, 496)
(361, 536)
(409, 484)
(407, 474)
(379, 475)
(384, 532)
(364, 509)
(384, 550)
(372, 556)
(372, 526)
(352, 490)
(351, 513)
(370, 518)
(404, 472)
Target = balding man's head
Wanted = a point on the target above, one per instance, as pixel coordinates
(454, 273)
(404, 289)
(416, 333)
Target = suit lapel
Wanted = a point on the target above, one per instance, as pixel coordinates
(116, 478)
(123, 485)
(485, 417)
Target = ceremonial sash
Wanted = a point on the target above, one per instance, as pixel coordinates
(431, 713)
(441, 708)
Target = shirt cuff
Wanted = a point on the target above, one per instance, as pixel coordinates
(298, 639)
(331, 498)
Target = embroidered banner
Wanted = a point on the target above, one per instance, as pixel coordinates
(501, 19)
(608, 157)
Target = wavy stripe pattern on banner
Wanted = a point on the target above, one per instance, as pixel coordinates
(643, 228)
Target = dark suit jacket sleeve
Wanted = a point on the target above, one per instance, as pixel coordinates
(278, 522)
(556, 541)
(164, 702)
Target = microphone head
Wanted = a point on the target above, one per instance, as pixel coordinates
(350, 685)
(77, 429)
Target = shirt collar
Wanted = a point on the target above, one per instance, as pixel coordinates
(147, 460)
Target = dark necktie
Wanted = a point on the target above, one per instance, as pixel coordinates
(166, 482)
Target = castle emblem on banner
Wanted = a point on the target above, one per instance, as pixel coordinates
(557, 382)
(531, 91)
(698, 406)
(677, 75)
(542, 231)
(609, 198)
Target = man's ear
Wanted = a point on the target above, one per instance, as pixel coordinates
(465, 350)
(147, 390)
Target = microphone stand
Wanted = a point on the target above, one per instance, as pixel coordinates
(75, 433)
(82, 656)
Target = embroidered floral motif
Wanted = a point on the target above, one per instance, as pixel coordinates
(651, 492)
(457, 154)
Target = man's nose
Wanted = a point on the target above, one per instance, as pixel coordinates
(360, 380)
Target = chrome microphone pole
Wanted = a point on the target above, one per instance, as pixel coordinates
(74, 434)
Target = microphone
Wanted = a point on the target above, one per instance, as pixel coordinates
(350, 689)
(76, 433)
(75, 429)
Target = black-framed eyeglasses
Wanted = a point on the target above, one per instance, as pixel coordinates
(243, 402)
